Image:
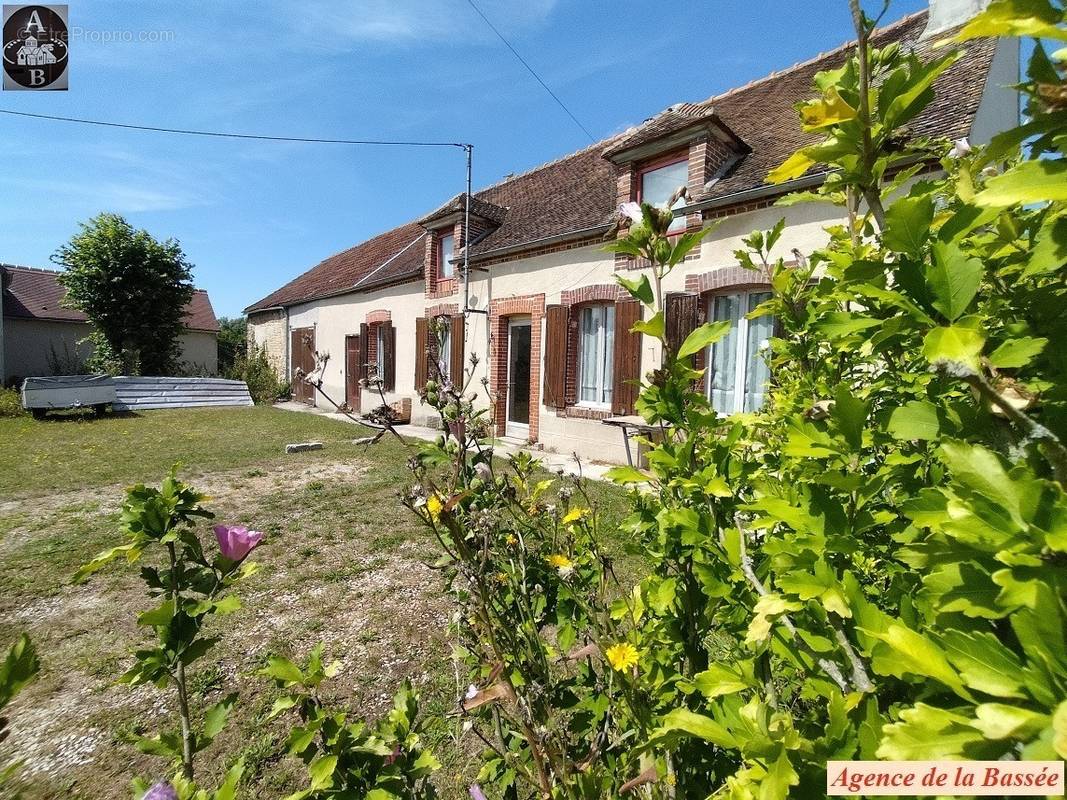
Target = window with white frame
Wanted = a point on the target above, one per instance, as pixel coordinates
(596, 354)
(444, 357)
(445, 252)
(738, 373)
(658, 182)
(380, 353)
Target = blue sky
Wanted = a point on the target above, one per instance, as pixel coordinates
(252, 215)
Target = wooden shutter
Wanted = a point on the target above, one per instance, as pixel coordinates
(389, 377)
(627, 357)
(681, 317)
(556, 356)
(364, 349)
(456, 356)
(421, 357)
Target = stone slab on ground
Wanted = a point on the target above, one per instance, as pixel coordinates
(303, 447)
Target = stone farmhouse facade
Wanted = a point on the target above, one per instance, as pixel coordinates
(542, 310)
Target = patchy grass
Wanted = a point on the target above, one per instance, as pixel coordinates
(70, 452)
(343, 563)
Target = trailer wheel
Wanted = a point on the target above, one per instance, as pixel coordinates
(99, 409)
(38, 413)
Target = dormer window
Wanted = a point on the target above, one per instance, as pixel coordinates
(658, 180)
(445, 253)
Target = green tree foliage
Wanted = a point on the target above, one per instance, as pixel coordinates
(132, 287)
(233, 343)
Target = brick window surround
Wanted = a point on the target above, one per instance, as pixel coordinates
(441, 310)
(500, 311)
(719, 281)
(574, 299)
(436, 286)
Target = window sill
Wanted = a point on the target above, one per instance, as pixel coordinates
(585, 412)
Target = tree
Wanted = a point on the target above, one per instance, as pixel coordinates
(233, 343)
(132, 287)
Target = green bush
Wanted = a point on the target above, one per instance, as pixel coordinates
(11, 403)
(263, 382)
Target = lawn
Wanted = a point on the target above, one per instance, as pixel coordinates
(343, 563)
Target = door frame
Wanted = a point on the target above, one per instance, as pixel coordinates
(519, 430)
(302, 358)
(352, 380)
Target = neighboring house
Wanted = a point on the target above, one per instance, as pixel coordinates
(545, 316)
(39, 336)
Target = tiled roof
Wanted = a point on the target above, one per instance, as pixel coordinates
(31, 293)
(763, 113)
(479, 207)
(390, 257)
(672, 120)
(576, 194)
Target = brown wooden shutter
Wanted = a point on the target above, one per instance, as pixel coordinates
(421, 357)
(456, 356)
(364, 340)
(627, 357)
(556, 356)
(681, 317)
(390, 358)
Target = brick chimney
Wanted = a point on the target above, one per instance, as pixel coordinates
(946, 14)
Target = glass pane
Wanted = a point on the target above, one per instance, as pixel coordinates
(722, 379)
(445, 356)
(757, 372)
(608, 382)
(381, 352)
(658, 185)
(587, 356)
(519, 373)
(445, 266)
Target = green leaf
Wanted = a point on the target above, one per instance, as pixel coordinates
(953, 279)
(780, 776)
(792, 168)
(767, 609)
(907, 225)
(850, 414)
(1016, 353)
(215, 717)
(321, 771)
(1001, 721)
(652, 327)
(282, 670)
(639, 289)
(954, 346)
(20, 667)
(682, 720)
(704, 336)
(916, 420)
(981, 470)
(820, 585)
(160, 615)
(927, 733)
(908, 652)
(720, 679)
(282, 704)
(1043, 180)
(131, 551)
(841, 323)
(228, 789)
(984, 663)
(1036, 19)
(626, 475)
(1049, 253)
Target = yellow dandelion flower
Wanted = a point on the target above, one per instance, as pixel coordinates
(434, 506)
(560, 562)
(501, 577)
(512, 540)
(622, 656)
(574, 515)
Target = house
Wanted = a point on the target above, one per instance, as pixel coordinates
(541, 308)
(39, 336)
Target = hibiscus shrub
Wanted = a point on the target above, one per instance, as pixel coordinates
(188, 587)
(871, 566)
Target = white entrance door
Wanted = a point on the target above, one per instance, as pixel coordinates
(518, 417)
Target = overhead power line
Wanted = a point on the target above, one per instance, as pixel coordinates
(224, 135)
(530, 69)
